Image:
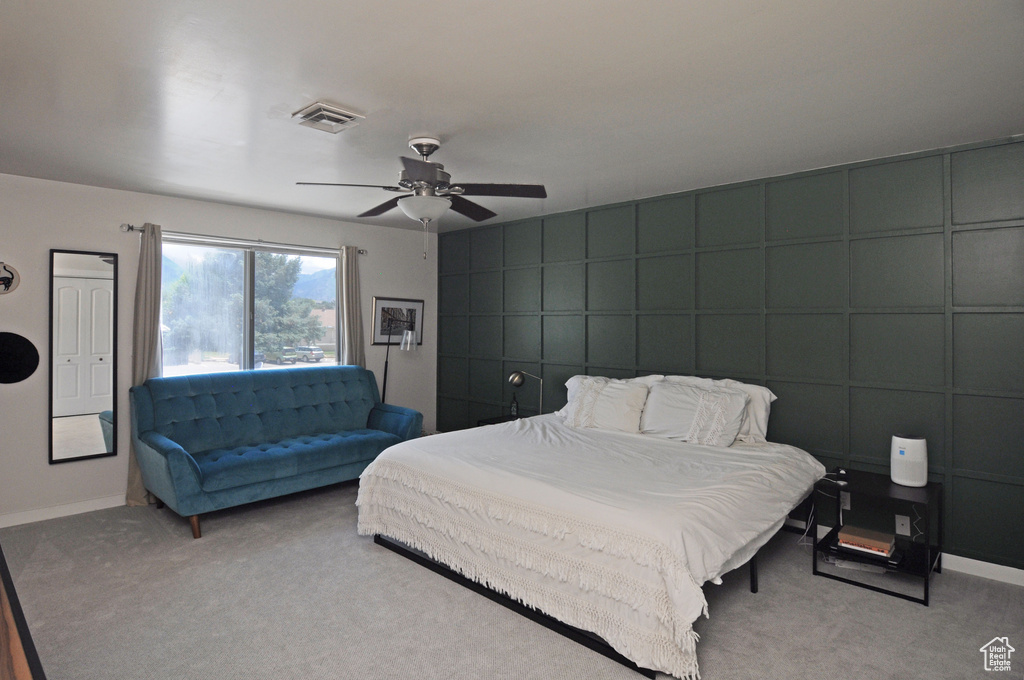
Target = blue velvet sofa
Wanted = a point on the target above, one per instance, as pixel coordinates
(217, 440)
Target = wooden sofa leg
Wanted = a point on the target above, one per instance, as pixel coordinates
(194, 521)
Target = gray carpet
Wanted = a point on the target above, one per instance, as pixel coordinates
(286, 589)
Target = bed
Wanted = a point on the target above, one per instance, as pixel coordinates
(594, 516)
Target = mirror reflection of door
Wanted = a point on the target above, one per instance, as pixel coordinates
(82, 365)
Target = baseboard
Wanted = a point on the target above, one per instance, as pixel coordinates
(996, 572)
(28, 516)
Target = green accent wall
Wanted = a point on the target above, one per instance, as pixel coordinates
(877, 298)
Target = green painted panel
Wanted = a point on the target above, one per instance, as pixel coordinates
(611, 340)
(805, 206)
(614, 373)
(900, 195)
(988, 521)
(665, 343)
(610, 285)
(523, 243)
(485, 248)
(485, 293)
(526, 394)
(987, 351)
(665, 224)
(988, 267)
(835, 299)
(485, 336)
(453, 252)
(453, 335)
(807, 276)
(876, 415)
(903, 271)
(907, 349)
(452, 414)
(565, 237)
(555, 377)
(730, 344)
(988, 184)
(665, 282)
(805, 346)
(729, 216)
(807, 416)
(522, 337)
(522, 290)
(563, 287)
(987, 434)
(730, 279)
(485, 379)
(453, 294)
(452, 376)
(564, 339)
(611, 231)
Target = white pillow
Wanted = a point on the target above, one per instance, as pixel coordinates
(607, 404)
(572, 387)
(693, 413)
(754, 428)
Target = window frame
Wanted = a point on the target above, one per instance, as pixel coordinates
(249, 249)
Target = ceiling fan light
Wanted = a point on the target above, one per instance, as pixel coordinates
(424, 207)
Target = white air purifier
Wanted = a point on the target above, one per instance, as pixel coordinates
(909, 461)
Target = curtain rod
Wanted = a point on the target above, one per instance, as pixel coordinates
(185, 236)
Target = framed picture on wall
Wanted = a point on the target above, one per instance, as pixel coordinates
(393, 316)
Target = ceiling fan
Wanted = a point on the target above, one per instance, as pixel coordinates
(430, 191)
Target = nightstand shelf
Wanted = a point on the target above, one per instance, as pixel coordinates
(495, 420)
(916, 559)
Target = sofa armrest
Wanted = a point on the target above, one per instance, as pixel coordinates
(404, 422)
(179, 461)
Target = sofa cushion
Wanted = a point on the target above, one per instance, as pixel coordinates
(232, 409)
(225, 468)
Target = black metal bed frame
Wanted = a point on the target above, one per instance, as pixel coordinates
(583, 637)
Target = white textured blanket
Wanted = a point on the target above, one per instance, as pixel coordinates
(612, 533)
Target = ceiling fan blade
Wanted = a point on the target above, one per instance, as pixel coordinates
(419, 171)
(381, 209)
(472, 210)
(510, 190)
(335, 184)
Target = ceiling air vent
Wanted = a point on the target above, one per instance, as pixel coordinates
(327, 117)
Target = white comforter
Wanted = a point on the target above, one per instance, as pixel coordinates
(609, 532)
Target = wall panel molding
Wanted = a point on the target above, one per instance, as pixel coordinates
(881, 296)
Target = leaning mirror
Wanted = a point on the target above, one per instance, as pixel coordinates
(83, 355)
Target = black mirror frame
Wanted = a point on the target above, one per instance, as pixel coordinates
(113, 368)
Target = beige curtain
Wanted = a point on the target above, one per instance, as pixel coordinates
(351, 317)
(146, 348)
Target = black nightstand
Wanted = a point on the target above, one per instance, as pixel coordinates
(495, 420)
(917, 558)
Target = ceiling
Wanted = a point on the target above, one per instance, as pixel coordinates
(601, 101)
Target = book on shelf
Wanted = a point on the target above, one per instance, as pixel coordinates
(867, 541)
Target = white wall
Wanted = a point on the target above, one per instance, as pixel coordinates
(37, 215)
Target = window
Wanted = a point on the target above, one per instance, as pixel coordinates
(229, 305)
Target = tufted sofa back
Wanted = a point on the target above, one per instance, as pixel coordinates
(239, 408)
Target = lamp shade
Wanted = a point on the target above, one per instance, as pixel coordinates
(517, 378)
(424, 207)
(408, 343)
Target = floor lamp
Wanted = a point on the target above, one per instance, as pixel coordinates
(516, 379)
(407, 344)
